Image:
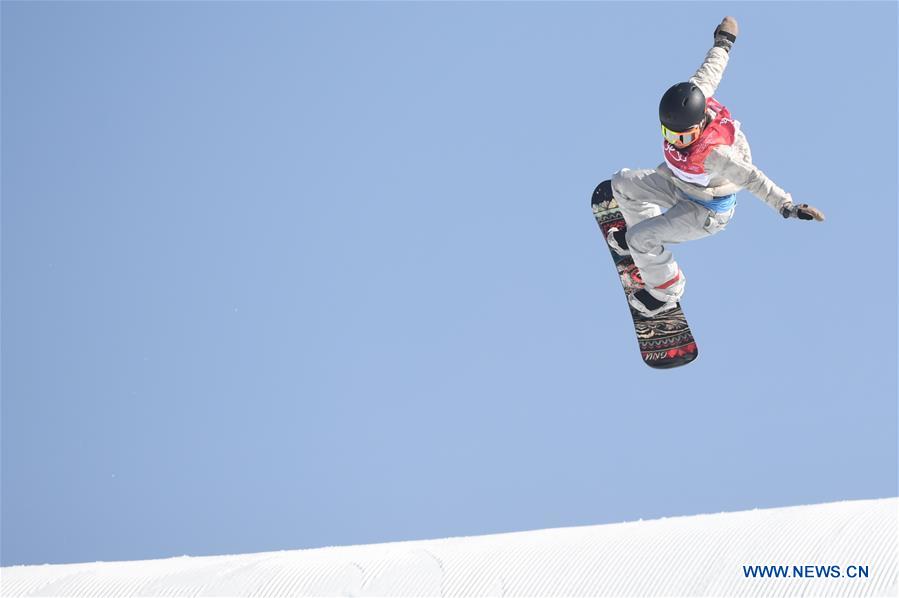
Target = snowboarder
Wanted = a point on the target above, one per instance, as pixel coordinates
(707, 161)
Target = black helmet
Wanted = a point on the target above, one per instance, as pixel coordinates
(682, 106)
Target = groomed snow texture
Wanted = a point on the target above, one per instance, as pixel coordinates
(684, 556)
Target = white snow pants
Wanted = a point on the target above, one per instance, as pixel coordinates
(641, 195)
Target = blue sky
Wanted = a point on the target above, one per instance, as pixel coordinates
(290, 275)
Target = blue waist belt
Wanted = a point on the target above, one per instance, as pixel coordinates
(718, 204)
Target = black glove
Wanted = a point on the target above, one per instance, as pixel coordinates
(803, 211)
(726, 33)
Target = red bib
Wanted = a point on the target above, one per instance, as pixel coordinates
(688, 164)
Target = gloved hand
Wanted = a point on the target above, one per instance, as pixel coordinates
(803, 211)
(726, 33)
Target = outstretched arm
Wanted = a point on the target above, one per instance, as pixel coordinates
(724, 161)
(708, 76)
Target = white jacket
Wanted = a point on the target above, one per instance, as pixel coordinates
(730, 166)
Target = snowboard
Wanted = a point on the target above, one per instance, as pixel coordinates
(665, 340)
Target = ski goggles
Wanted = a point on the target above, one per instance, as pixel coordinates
(682, 138)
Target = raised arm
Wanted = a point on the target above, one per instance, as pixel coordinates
(708, 76)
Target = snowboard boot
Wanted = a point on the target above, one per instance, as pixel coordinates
(647, 305)
(617, 241)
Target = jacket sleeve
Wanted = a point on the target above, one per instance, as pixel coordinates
(725, 162)
(708, 76)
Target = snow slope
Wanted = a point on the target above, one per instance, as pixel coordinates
(684, 556)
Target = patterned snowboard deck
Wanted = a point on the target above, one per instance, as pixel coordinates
(665, 340)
